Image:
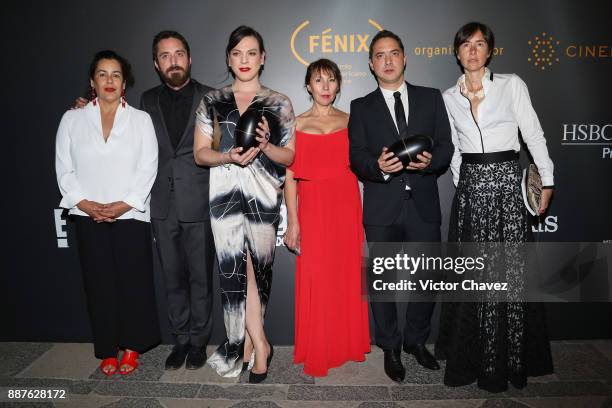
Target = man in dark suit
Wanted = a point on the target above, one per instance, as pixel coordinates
(400, 204)
(179, 202)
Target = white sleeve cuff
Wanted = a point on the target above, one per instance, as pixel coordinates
(548, 181)
(135, 202)
(70, 200)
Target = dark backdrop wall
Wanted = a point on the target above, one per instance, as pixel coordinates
(562, 49)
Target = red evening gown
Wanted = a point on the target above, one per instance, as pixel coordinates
(331, 316)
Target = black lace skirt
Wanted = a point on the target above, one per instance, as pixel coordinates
(492, 343)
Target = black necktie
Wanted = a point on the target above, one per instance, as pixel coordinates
(400, 116)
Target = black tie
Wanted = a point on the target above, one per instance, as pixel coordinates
(400, 116)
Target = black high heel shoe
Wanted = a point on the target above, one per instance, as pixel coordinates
(255, 378)
(245, 363)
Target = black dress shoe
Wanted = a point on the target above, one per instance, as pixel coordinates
(195, 358)
(177, 357)
(393, 365)
(255, 378)
(422, 355)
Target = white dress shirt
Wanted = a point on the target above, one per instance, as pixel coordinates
(121, 169)
(390, 101)
(505, 109)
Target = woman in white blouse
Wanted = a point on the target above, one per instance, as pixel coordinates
(106, 162)
(489, 342)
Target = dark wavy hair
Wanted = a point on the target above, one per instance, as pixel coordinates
(126, 68)
(469, 30)
(323, 65)
(236, 36)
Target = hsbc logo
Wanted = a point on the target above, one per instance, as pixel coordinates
(584, 135)
(591, 132)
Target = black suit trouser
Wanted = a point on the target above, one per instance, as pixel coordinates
(117, 265)
(187, 253)
(408, 227)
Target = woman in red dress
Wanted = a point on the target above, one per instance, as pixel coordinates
(331, 316)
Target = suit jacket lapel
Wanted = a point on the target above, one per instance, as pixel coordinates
(412, 108)
(385, 115)
(164, 138)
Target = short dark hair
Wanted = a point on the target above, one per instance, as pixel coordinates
(163, 35)
(126, 67)
(384, 34)
(323, 65)
(236, 36)
(469, 30)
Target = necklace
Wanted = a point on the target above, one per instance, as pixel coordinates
(471, 94)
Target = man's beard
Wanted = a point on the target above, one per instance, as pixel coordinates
(177, 77)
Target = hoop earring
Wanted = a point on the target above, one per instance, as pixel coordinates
(93, 96)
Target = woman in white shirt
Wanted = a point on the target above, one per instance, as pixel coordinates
(106, 162)
(492, 343)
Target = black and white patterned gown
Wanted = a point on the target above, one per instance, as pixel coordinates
(244, 211)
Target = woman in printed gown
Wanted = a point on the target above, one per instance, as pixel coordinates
(245, 199)
(324, 222)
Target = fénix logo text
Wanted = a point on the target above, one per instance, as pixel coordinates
(348, 45)
(307, 46)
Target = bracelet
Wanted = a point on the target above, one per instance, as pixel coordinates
(226, 163)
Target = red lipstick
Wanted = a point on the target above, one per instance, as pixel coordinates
(244, 69)
(109, 89)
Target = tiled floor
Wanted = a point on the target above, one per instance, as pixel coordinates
(583, 378)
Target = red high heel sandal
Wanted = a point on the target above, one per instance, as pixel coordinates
(130, 361)
(109, 362)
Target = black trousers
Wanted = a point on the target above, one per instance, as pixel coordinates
(406, 228)
(187, 254)
(117, 266)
